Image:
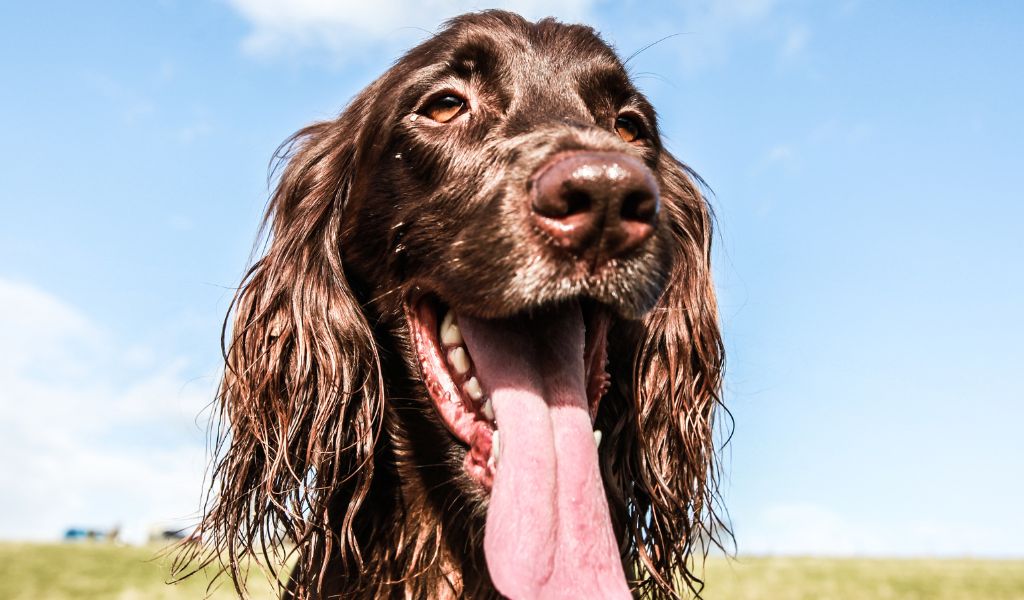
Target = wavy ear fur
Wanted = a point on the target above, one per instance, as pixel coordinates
(302, 398)
(661, 458)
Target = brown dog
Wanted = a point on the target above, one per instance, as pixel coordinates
(481, 355)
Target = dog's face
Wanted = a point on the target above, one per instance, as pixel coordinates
(514, 197)
(516, 167)
(487, 304)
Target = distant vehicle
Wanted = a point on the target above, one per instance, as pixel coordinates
(166, 534)
(79, 534)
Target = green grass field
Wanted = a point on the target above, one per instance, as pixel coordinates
(875, 579)
(94, 571)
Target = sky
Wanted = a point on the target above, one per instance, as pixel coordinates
(867, 170)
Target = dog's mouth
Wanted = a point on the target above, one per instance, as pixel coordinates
(521, 394)
(461, 392)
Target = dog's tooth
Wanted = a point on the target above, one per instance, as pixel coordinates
(495, 446)
(473, 389)
(597, 437)
(488, 409)
(459, 360)
(453, 336)
(450, 334)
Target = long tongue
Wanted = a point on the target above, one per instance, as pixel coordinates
(549, 534)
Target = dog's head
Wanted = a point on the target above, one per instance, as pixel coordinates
(487, 257)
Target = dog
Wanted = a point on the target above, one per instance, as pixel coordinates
(480, 356)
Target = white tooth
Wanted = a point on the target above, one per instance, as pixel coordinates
(450, 334)
(472, 388)
(495, 446)
(488, 409)
(597, 437)
(459, 360)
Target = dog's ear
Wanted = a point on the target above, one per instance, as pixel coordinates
(662, 459)
(301, 400)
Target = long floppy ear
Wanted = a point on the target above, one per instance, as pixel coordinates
(301, 401)
(662, 468)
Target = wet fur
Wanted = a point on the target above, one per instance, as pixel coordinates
(329, 451)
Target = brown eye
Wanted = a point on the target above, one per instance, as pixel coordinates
(445, 108)
(627, 129)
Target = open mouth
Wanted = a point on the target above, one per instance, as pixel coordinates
(461, 394)
(521, 394)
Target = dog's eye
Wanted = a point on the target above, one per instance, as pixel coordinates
(445, 108)
(627, 129)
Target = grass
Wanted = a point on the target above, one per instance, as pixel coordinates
(853, 579)
(95, 571)
(89, 571)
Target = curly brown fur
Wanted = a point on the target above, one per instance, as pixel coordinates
(330, 454)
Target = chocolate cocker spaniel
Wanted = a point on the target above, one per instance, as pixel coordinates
(480, 356)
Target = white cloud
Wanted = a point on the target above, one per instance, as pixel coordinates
(180, 223)
(795, 41)
(703, 33)
(130, 104)
(343, 31)
(811, 530)
(712, 26)
(780, 153)
(738, 10)
(91, 435)
(807, 529)
(347, 27)
(194, 131)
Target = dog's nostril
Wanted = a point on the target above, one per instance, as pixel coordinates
(565, 204)
(639, 205)
(576, 202)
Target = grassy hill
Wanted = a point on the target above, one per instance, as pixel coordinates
(874, 579)
(94, 571)
(90, 571)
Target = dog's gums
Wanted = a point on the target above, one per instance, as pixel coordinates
(454, 388)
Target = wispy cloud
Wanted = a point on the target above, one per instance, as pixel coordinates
(91, 434)
(194, 131)
(795, 41)
(780, 153)
(345, 31)
(706, 33)
(811, 529)
(828, 136)
(807, 529)
(712, 27)
(344, 28)
(132, 105)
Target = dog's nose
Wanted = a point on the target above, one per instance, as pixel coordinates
(596, 205)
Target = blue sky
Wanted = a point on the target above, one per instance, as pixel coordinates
(868, 170)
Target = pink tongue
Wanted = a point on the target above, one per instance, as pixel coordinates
(549, 534)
